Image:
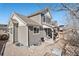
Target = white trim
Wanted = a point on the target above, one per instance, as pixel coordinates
(20, 19)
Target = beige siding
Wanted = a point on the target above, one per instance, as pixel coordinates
(10, 31)
(23, 35)
(47, 18)
(36, 38)
(22, 31)
(48, 15)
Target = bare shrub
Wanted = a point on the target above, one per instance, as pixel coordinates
(73, 38)
(71, 48)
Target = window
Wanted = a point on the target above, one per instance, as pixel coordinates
(36, 30)
(43, 17)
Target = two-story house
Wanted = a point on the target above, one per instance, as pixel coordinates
(31, 30)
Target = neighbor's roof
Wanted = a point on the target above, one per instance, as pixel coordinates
(3, 26)
(27, 20)
(39, 12)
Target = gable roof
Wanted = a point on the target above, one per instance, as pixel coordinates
(14, 21)
(27, 20)
(39, 12)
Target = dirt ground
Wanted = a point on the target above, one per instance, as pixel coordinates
(43, 50)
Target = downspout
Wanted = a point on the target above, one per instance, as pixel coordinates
(28, 37)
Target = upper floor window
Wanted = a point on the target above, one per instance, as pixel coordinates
(43, 17)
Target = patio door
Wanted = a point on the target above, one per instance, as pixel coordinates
(48, 32)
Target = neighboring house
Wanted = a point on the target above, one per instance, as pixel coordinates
(3, 28)
(31, 30)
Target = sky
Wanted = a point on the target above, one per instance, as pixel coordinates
(6, 9)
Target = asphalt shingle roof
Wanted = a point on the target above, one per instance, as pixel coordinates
(27, 20)
(39, 12)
